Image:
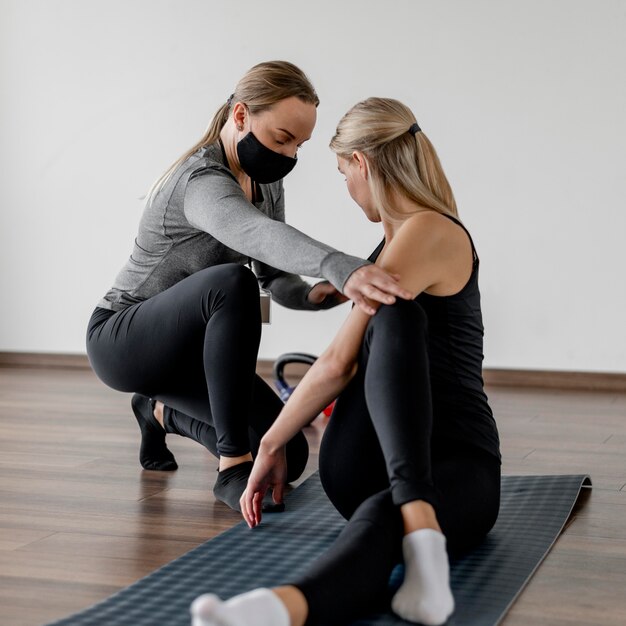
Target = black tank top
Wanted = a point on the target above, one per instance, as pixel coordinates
(455, 350)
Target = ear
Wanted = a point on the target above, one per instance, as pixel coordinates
(240, 115)
(361, 161)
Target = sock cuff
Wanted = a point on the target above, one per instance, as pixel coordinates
(423, 537)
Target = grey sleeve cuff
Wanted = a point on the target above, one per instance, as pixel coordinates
(337, 268)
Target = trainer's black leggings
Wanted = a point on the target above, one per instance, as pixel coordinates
(194, 347)
(377, 454)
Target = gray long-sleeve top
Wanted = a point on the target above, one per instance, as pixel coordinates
(201, 217)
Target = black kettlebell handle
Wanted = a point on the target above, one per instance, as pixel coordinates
(291, 357)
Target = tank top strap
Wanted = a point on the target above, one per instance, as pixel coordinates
(458, 221)
(372, 257)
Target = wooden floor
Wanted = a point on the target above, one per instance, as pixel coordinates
(79, 519)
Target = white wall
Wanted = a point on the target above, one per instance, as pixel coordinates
(525, 102)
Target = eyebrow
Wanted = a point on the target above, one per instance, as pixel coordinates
(284, 130)
(287, 132)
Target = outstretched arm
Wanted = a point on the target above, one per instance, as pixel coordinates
(215, 203)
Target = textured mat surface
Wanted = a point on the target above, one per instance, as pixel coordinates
(485, 582)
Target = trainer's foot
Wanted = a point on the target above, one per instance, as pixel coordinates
(153, 453)
(232, 482)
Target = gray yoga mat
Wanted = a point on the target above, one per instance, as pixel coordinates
(485, 582)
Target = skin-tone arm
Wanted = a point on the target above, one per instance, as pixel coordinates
(425, 258)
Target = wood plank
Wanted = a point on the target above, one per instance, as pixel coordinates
(145, 549)
(13, 538)
(43, 359)
(580, 582)
(43, 601)
(592, 381)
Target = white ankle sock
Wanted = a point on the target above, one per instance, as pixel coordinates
(259, 607)
(425, 595)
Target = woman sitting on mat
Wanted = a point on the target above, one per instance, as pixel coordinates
(410, 455)
(181, 326)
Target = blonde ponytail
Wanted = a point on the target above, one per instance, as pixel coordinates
(400, 161)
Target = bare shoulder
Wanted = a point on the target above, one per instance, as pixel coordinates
(429, 228)
(432, 252)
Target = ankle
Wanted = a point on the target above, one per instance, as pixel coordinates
(418, 514)
(231, 461)
(158, 412)
(295, 602)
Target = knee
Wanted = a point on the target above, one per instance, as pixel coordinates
(235, 276)
(231, 286)
(377, 509)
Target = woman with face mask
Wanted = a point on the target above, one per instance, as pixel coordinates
(181, 325)
(410, 456)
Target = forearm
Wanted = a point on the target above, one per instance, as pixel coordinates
(286, 248)
(320, 386)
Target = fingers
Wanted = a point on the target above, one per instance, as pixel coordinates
(277, 493)
(373, 293)
(374, 283)
(362, 303)
(249, 509)
(257, 502)
(388, 283)
(245, 502)
(323, 289)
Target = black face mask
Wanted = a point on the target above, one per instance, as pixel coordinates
(260, 163)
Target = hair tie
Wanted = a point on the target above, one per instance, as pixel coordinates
(414, 129)
(230, 99)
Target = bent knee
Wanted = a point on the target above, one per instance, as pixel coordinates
(234, 275)
(230, 286)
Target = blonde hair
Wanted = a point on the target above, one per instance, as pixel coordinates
(261, 87)
(399, 161)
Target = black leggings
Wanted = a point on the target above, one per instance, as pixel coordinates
(377, 454)
(194, 347)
